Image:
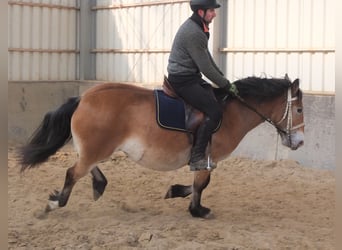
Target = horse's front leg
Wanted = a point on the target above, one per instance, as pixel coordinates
(201, 181)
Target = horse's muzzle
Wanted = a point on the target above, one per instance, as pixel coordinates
(294, 147)
(294, 140)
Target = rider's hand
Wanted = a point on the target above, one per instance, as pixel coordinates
(231, 89)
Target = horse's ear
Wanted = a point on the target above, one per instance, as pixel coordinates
(287, 77)
(295, 86)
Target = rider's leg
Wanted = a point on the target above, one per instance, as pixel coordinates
(201, 97)
(198, 160)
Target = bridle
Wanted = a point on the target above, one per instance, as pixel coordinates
(287, 114)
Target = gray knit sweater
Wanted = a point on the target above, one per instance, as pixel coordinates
(190, 55)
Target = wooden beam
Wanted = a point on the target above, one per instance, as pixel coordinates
(133, 5)
(43, 5)
(276, 50)
(126, 51)
(43, 50)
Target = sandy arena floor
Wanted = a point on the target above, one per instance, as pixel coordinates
(256, 205)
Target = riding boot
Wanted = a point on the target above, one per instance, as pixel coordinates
(198, 160)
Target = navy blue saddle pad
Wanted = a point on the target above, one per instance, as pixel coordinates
(170, 112)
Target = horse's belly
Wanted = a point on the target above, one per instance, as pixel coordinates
(154, 156)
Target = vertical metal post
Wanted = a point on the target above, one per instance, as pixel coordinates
(87, 39)
(220, 36)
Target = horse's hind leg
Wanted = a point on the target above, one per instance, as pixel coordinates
(73, 174)
(99, 182)
(201, 181)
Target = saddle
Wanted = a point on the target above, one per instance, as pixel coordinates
(193, 117)
(173, 113)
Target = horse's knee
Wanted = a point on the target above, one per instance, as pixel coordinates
(201, 181)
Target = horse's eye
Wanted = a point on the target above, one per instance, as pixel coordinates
(300, 110)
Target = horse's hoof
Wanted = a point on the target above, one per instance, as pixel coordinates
(41, 215)
(201, 212)
(178, 190)
(53, 202)
(168, 194)
(52, 205)
(96, 195)
(99, 188)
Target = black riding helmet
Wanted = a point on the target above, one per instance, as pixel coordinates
(203, 4)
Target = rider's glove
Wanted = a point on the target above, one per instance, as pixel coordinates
(230, 88)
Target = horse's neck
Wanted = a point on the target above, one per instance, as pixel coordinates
(246, 119)
(238, 120)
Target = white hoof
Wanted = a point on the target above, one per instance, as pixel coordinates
(52, 205)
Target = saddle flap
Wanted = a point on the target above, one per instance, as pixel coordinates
(170, 112)
(173, 113)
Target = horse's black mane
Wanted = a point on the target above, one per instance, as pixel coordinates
(262, 88)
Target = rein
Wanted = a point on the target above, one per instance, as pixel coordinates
(279, 129)
(287, 114)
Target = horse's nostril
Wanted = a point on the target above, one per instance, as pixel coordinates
(298, 145)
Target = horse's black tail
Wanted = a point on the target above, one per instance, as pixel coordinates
(53, 133)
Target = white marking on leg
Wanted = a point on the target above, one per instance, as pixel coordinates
(52, 205)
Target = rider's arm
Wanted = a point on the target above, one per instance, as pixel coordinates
(198, 49)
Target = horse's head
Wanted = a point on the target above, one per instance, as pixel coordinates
(277, 101)
(291, 124)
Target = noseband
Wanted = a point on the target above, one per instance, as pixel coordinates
(287, 114)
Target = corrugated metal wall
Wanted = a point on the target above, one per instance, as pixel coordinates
(262, 37)
(42, 40)
(130, 42)
(134, 38)
(275, 37)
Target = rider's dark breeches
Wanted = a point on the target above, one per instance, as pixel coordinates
(196, 94)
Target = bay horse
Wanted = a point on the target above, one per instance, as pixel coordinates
(113, 117)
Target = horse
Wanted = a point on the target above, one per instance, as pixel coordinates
(111, 117)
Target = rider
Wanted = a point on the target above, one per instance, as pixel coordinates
(189, 58)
